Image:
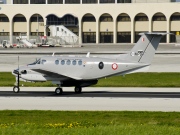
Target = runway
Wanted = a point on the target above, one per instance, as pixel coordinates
(114, 99)
(95, 92)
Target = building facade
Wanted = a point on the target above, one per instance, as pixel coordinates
(94, 21)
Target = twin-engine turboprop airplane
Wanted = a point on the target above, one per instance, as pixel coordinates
(84, 71)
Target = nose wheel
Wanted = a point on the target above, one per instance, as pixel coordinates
(58, 91)
(16, 89)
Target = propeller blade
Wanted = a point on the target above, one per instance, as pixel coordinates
(18, 73)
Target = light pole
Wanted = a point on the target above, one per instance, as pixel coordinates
(37, 30)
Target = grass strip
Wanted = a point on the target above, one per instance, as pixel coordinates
(89, 122)
(131, 80)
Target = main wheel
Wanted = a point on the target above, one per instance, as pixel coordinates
(78, 89)
(58, 91)
(16, 89)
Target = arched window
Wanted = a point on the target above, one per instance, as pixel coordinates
(159, 17)
(67, 20)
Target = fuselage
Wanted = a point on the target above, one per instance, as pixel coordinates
(61, 68)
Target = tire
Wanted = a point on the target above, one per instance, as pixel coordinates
(16, 89)
(58, 91)
(78, 89)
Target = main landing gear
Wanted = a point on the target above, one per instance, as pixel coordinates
(78, 89)
(59, 90)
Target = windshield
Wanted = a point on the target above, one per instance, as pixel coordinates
(36, 62)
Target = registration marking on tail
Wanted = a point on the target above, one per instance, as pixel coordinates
(143, 39)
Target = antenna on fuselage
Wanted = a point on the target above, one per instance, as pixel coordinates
(88, 54)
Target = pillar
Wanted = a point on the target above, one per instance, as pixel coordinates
(11, 30)
(168, 30)
(115, 31)
(150, 24)
(132, 30)
(97, 31)
(80, 31)
(45, 20)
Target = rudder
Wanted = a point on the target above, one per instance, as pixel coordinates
(145, 48)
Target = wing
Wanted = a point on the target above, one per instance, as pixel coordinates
(53, 74)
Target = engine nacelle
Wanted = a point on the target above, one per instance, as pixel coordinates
(33, 77)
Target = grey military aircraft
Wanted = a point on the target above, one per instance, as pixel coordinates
(83, 71)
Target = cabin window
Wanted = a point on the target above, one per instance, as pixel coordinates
(57, 62)
(101, 65)
(62, 62)
(68, 62)
(80, 62)
(74, 62)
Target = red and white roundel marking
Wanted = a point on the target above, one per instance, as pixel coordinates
(114, 66)
(143, 39)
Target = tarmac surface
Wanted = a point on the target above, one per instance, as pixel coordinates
(93, 49)
(100, 99)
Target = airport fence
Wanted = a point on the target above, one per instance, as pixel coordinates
(64, 40)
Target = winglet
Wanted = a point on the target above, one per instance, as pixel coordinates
(88, 54)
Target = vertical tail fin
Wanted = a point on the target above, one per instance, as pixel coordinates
(145, 48)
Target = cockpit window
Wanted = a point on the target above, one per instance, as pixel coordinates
(43, 61)
(36, 62)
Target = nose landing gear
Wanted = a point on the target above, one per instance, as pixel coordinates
(16, 88)
(59, 90)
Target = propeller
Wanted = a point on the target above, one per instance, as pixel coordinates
(16, 87)
(18, 73)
